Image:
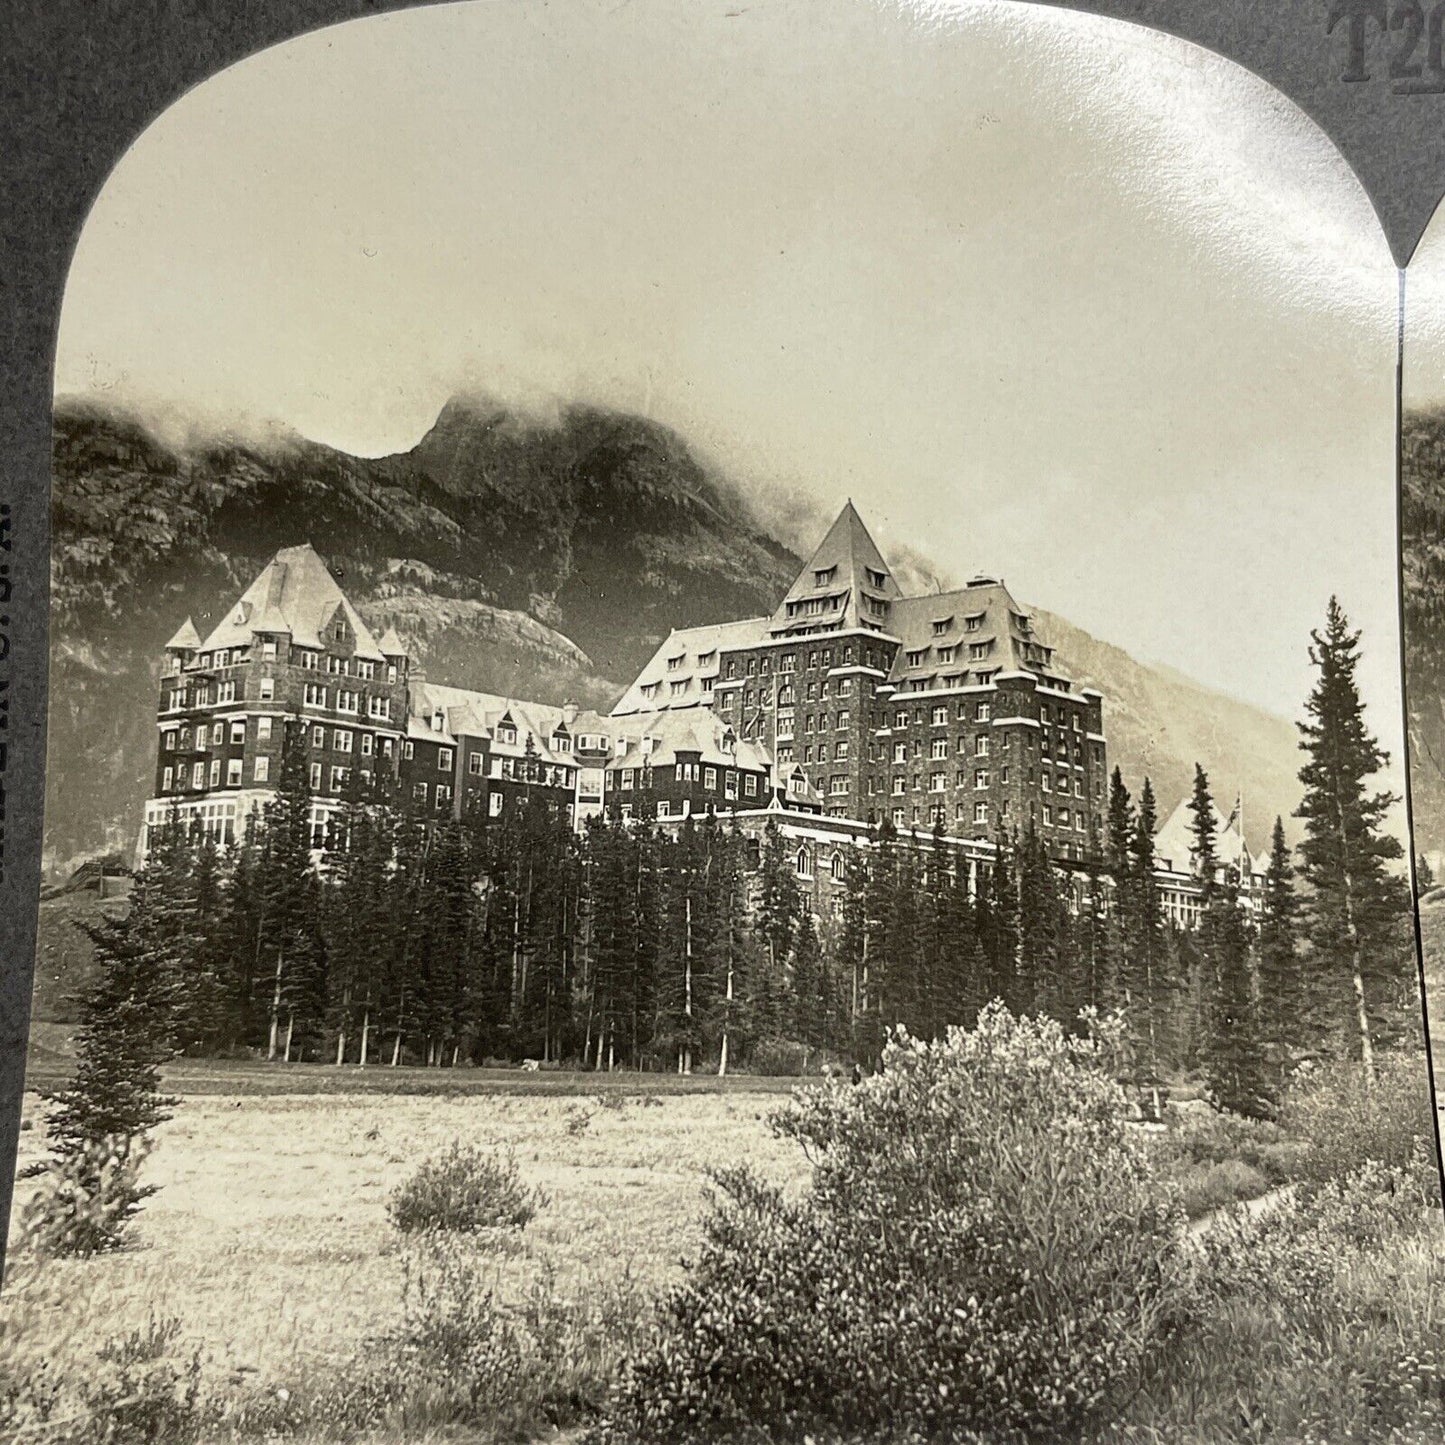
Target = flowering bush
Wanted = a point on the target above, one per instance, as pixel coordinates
(983, 1248)
(464, 1190)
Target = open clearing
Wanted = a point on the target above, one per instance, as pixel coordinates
(269, 1241)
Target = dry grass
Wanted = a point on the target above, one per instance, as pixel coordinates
(269, 1241)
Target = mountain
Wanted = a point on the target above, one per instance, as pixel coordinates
(1422, 562)
(546, 557)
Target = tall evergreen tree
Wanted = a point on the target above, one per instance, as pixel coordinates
(1204, 829)
(1354, 910)
(1284, 1028)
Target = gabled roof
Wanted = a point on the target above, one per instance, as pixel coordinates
(391, 645)
(674, 676)
(695, 730)
(187, 639)
(1174, 842)
(480, 714)
(834, 586)
(294, 594)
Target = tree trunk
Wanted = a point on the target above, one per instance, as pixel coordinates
(340, 1047)
(365, 1035)
(275, 1010)
(290, 1031)
(396, 1050)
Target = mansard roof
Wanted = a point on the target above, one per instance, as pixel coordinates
(981, 615)
(480, 714)
(836, 585)
(695, 730)
(689, 656)
(187, 639)
(295, 594)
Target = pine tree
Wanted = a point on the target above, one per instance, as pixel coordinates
(126, 1032)
(1202, 825)
(1354, 910)
(1283, 1025)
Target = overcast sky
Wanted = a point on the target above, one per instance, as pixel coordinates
(1044, 294)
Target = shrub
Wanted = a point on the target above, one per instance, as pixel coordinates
(983, 1248)
(463, 1190)
(780, 1058)
(1346, 1123)
(1216, 1186)
(87, 1198)
(132, 1393)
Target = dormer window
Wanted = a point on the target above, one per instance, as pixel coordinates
(876, 579)
(941, 625)
(674, 664)
(915, 658)
(822, 576)
(973, 622)
(438, 721)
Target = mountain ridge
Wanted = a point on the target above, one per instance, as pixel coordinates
(544, 556)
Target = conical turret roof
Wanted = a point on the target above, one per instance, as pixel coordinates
(845, 584)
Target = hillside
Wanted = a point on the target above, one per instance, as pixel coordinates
(1422, 559)
(546, 557)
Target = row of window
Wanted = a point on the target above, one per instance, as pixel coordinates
(977, 652)
(201, 777)
(348, 700)
(215, 735)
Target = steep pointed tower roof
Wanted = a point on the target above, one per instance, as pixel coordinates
(187, 639)
(391, 645)
(294, 594)
(845, 584)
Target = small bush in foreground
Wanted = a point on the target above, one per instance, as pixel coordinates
(463, 1190)
(86, 1198)
(983, 1248)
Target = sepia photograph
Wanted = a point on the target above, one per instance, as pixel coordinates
(727, 752)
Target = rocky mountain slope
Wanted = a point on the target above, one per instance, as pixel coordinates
(546, 557)
(1422, 554)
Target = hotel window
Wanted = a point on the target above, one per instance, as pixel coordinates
(475, 763)
(915, 657)
(443, 796)
(315, 777)
(900, 785)
(343, 741)
(238, 732)
(980, 746)
(198, 776)
(418, 792)
(226, 692)
(261, 770)
(900, 719)
(982, 712)
(267, 689)
(1063, 817)
(379, 707)
(1046, 782)
(310, 661)
(315, 695)
(937, 782)
(215, 779)
(844, 719)
(367, 743)
(233, 773)
(365, 670)
(268, 649)
(947, 654)
(845, 687)
(168, 741)
(626, 779)
(898, 817)
(840, 752)
(386, 747)
(750, 785)
(444, 760)
(347, 701)
(1003, 775)
(709, 779)
(408, 750)
(980, 779)
(938, 748)
(974, 622)
(1048, 816)
(980, 812)
(838, 783)
(391, 672)
(167, 778)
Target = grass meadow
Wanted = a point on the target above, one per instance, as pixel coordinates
(268, 1238)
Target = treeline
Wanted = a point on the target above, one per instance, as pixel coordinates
(630, 945)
